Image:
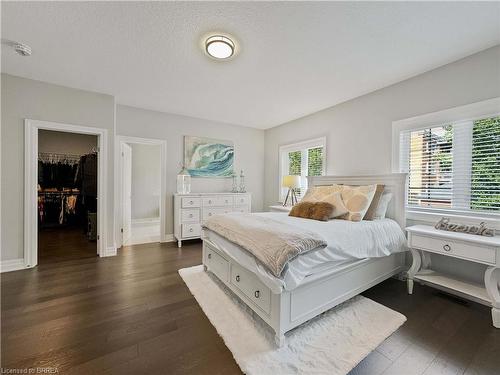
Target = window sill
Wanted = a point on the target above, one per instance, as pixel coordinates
(432, 216)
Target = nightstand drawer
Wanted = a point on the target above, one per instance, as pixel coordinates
(452, 248)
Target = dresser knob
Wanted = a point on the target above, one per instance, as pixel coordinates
(190, 229)
(190, 215)
(209, 214)
(257, 294)
(238, 278)
(447, 247)
(209, 256)
(209, 202)
(191, 202)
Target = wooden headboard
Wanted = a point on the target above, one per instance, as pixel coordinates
(394, 183)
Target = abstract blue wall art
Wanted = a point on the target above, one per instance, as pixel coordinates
(206, 157)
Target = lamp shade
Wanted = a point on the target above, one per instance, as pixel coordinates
(292, 182)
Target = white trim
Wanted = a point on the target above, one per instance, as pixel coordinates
(119, 140)
(298, 146)
(169, 238)
(31, 128)
(109, 252)
(486, 108)
(12, 265)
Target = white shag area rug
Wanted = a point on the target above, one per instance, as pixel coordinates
(332, 343)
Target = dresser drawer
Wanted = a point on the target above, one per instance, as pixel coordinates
(188, 215)
(240, 200)
(191, 230)
(458, 249)
(188, 202)
(209, 212)
(216, 264)
(241, 209)
(251, 287)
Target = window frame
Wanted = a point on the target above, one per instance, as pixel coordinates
(463, 114)
(284, 150)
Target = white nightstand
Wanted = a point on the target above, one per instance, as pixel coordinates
(423, 239)
(280, 208)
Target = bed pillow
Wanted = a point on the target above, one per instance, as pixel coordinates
(357, 200)
(339, 208)
(382, 207)
(312, 210)
(370, 213)
(317, 193)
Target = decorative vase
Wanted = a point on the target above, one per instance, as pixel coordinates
(235, 183)
(242, 182)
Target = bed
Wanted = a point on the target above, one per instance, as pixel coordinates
(358, 256)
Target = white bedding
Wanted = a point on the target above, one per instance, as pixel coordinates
(348, 242)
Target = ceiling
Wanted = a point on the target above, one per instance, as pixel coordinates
(294, 58)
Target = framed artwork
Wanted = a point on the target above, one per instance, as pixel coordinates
(207, 157)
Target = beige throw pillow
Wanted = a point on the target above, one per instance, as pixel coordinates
(357, 200)
(330, 194)
(317, 193)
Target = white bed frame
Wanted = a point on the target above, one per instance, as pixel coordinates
(285, 311)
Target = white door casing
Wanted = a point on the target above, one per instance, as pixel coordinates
(127, 192)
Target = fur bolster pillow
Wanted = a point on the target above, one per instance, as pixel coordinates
(313, 210)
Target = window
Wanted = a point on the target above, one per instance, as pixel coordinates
(303, 159)
(453, 166)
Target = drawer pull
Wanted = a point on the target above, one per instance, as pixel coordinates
(447, 247)
(238, 278)
(190, 215)
(190, 229)
(210, 202)
(209, 214)
(257, 294)
(227, 201)
(191, 202)
(209, 256)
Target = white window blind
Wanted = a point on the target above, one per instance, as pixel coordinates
(454, 166)
(302, 159)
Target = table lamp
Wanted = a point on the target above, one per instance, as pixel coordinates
(292, 183)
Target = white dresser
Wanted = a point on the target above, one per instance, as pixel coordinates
(424, 239)
(190, 210)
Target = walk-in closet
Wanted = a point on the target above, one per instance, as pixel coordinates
(67, 196)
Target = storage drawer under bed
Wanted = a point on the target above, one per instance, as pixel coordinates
(251, 287)
(216, 263)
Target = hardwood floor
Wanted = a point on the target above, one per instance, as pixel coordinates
(132, 314)
(59, 244)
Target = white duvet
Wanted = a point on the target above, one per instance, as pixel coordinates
(347, 242)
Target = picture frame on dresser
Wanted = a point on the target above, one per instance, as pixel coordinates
(191, 210)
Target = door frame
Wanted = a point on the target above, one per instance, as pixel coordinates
(121, 139)
(31, 128)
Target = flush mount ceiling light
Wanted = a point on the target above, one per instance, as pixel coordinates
(219, 47)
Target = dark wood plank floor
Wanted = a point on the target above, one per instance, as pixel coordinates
(132, 314)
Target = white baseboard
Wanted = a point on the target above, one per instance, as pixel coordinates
(169, 238)
(12, 265)
(109, 252)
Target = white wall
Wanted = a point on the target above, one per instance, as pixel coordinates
(359, 139)
(248, 143)
(24, 98)
(65, 143)
(146, 172)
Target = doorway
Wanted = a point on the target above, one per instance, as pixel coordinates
(67, 196)
(142, 173)
(52, 196)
